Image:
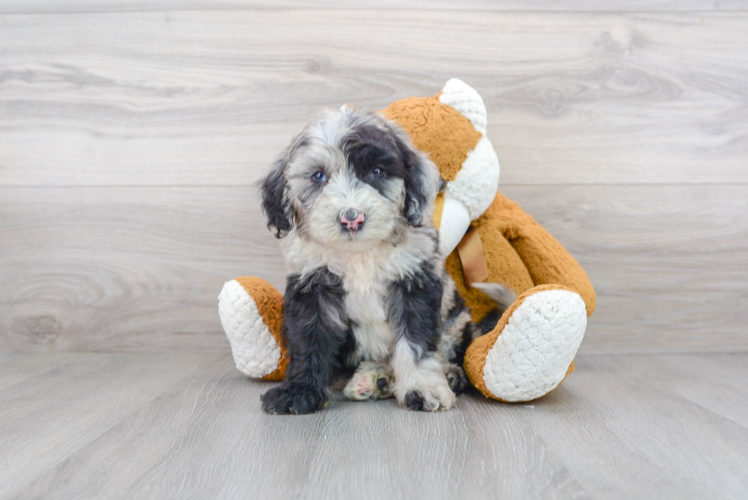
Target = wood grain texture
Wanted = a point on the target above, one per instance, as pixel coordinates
(210, 97)
(77, 401)
(128, 268)
(97, 6)
(190, 426)
(139, 268)
(130, 142)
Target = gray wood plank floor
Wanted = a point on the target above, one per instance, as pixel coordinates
(189, 426)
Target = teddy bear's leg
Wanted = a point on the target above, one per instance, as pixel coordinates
(545, 258)
(251, 312)
(532, 348)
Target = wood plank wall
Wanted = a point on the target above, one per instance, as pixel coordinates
(132, 133)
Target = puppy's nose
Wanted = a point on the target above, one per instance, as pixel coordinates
(352, 219)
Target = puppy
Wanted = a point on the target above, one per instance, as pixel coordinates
(350, 198)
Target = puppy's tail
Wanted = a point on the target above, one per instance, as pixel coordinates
(503, 297)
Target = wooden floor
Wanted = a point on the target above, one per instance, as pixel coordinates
(162, 426)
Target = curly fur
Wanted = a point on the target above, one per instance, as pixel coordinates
(376, 295)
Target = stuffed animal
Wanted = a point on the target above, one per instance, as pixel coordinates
(485, 237)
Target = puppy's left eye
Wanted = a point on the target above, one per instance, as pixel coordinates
(319, 177)
(378, 173)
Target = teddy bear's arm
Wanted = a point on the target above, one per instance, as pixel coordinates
(547, 261)
(453, 220)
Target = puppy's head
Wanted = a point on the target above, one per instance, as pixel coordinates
(348, 180)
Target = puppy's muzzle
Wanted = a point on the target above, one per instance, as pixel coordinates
(351, 219)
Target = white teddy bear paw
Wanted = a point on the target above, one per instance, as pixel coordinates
(256, 352)
(534, 351)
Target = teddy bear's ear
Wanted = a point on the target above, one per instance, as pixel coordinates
(465, 99)
(275, 201)
(477, 181)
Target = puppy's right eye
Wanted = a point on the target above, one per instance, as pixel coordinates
(319, 177)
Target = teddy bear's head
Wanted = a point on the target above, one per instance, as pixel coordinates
(450, 127)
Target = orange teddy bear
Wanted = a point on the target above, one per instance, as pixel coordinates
(486, 238)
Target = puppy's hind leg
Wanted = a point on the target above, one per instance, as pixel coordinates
(370, 381)
(456, 378)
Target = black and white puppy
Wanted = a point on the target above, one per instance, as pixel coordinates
(350, 199)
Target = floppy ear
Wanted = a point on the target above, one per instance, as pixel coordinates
(275, 201)
(421, 180)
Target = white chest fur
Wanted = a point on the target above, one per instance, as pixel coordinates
(365, 306)
(366, 277)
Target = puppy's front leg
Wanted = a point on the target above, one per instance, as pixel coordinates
(315, 329)
(414, 315)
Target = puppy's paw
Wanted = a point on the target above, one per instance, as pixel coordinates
(371, 381)
(293, 398)
(429, 397)
(457, 379)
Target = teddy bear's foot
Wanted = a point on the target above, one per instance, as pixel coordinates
(250, 311)
(532, 348)
(371, 381)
